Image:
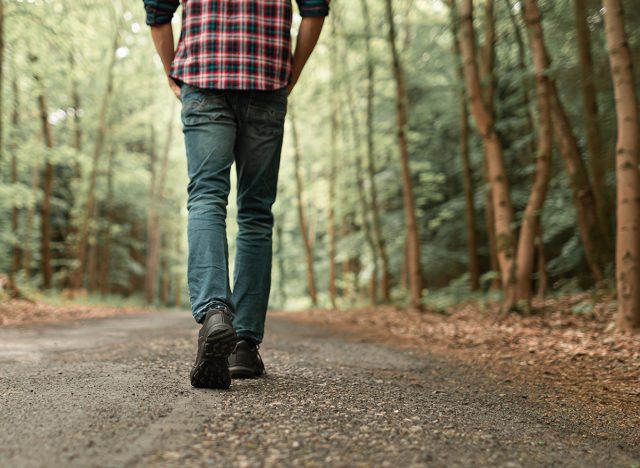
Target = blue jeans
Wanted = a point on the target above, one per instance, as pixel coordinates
(220, 127)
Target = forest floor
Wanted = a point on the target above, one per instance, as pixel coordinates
(25, 312)
(566, 352)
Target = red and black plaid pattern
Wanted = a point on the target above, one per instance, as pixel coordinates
(233, 44)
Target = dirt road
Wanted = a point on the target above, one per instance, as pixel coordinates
(115, 392)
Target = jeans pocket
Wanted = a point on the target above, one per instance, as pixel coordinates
(202, 107)
(267, 112)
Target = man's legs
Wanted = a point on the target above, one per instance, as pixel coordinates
(257, 149)
(209, 126)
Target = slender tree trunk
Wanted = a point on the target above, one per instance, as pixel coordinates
(282, 271)
(93, 246)
(105, 264)
(85, 224)
(543, 276)
(490, 222)
(164, 290)
(467, 176)
(413, 237)
(531, 218)
(488, 80)
(597, 156)
(488, 56)
(28, 235)
(308, 251)
(592, 232)
(75, 100)
(177, 279)
(45, 209)
(1, 77)
(501, 198)
(153, 230)
(529, 151)
(385, 282)
(362, 196)
(156, 195)
(332, 229)
(628, 211)
(15, 122)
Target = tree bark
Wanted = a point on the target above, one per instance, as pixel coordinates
(531, 219)
(105, 263)
(156, 195)
(15, 122)
(413, 237)
(302, 218)
(591, 230)
(488, 80)
(385, 280)
(85, 225)
(627, 156)
(467, 176)
(1, 76)
(597, 156)
(45, 209)
(282, 272)
(529, 152)
(501, 198)
(331, 215)
(362, 196)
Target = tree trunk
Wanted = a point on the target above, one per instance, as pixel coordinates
(597, 156)
(177, 279)
(591, 230)
(501, 198)
(164, 290)
(413, 237)
(15, 122)
(156, 195)
(282, 271)
(331, 215)
(529, 152)
(1, 76)
(385, 281)
(308, 251)
(628, 211)
(153, 227)
(45, 209)
(531, 217)
(543, 276)
(101, 132)
(467, 176)
(488, 80)
(28, 235)
(362, 196)
(105, 263)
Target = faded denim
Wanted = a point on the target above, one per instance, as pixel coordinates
(222, 127)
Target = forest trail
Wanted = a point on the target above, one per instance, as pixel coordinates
(115, 392)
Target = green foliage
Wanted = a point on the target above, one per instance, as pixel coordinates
(67, 44)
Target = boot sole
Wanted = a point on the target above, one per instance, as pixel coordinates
(212, 369)
(241, 372)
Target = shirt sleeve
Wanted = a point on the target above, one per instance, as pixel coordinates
(160, 11)
(313, 7)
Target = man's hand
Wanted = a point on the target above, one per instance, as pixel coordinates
(162, 36)
(174, 87)
(308, 35)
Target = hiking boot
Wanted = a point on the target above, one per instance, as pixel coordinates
(216, 340)
(245, 361)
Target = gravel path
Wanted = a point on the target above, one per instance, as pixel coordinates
(115, 392)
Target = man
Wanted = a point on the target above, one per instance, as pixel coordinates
(233, 71)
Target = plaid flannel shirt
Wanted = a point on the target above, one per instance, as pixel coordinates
(233, 44)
